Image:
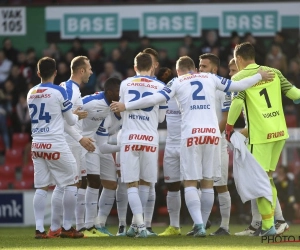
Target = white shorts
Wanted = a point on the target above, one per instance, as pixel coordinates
(76, 150)
(139, 162)
(61, 170)
(224, 168)
(107, 167)
(171, 164)
(91, 161)
(199, 161)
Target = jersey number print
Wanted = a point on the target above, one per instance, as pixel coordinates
(42, 116)
(198, 90)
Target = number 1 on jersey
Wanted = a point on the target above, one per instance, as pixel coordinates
(265, 93)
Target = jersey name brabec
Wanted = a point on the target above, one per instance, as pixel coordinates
(196, 95)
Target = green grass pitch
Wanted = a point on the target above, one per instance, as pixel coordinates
(23, 238)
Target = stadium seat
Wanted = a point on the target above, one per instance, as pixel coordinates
(14, 157)
(20, 140)
(8, 173)
(291, 120)
(2, 146)
(3, 184)
(163, 211)
(21, 185)
(28, 172)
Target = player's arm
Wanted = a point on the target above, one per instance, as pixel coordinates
(102, 138)
(115, 122)
(225, 104)
(234, 112)
(289, 90)
(145, 102)
(226, 85)
(162, 111)
(104, 147)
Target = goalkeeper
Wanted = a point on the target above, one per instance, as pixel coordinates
(266, 122)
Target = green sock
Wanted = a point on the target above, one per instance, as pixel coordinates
(274, 192)
(266, 211)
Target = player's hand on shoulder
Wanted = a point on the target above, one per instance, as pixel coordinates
(87, 143)
(266, 75)
(81, 113)
(117, 107)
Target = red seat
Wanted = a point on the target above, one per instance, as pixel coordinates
(23, 185)
(28, 172)
(291, 120)
(20, 140)
(14, 157)
(8, 173)
(163, 211)
(3, 184)
(2, 146)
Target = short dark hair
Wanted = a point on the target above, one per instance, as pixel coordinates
(152, 52)
(78, 62)
(112, 83)
(245, 50)
(165, 75)
(143, 62)
(212, 58)
(185, 63)
(46, 67)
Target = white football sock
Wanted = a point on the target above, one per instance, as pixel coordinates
(134, 201)
(193, 204)
(144, 195)
(39, 204)
(80, 208)
(278, 212)
(56, 208)
(149, 208)
(136, 206)
(199, 193)
(174, 205)
(106, 201)
(91, 203)
(256, 217)
(69, 206)
(207, 202)
(225, 207)
(122, 202)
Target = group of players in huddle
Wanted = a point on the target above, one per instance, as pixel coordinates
(70, 146)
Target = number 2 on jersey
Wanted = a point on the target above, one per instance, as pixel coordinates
(138, 96)
(265, 93)
(46, 117)
(197, 91)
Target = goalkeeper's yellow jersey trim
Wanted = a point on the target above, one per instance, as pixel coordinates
(263, 106)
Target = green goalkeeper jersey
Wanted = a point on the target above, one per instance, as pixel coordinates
(263, 106)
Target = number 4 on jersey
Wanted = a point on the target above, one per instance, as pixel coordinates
(46, 117)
